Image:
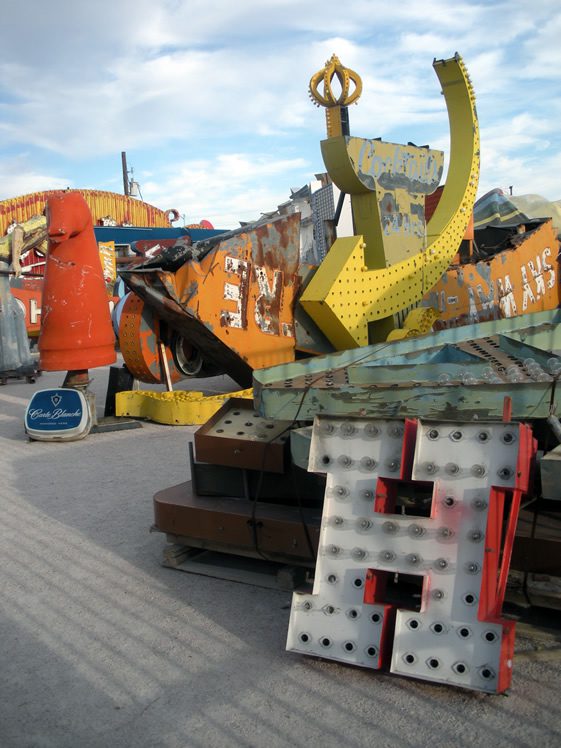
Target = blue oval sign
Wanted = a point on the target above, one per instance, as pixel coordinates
(57, 412)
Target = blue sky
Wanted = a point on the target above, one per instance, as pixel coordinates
(209, 98)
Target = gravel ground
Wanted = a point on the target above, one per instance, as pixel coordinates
(102, 646)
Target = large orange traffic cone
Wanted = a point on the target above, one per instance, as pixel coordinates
(76, 330)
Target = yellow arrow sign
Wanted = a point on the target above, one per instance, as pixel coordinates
(346, 296)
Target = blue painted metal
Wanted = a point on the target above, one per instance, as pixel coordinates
(130, 234)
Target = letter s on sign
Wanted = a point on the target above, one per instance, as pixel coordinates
(547, 266)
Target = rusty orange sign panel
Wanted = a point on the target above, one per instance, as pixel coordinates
(519, 280)
(236, 303)
(244, 292)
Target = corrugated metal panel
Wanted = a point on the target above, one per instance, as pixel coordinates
(323, 209)
(494, 209)
(121, 208)
(15, 356)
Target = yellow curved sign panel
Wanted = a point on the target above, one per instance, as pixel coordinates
(391, 263)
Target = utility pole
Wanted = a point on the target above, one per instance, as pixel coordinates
(125, 173)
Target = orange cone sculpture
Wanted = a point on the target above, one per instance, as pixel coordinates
(76, 330)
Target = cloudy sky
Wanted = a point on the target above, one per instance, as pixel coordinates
(209, 97)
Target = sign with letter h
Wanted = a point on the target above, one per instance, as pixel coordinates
(457, 551)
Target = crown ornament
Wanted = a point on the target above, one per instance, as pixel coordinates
(333, 69)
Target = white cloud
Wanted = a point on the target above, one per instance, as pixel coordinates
(234, 187)
(174, 81)
(177, 95)
(17, 177)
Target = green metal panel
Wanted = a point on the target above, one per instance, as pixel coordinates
(456, 402)
(404, 379)
(538, 329)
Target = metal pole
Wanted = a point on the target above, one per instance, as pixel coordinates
(125, 173)
(339, 208)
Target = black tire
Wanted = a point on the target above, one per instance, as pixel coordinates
(189, 360)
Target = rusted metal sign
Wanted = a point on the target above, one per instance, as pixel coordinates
(122, 209)
(459, 374)
(519, 280)
(400, 176)
(236, 436)
(236, 303)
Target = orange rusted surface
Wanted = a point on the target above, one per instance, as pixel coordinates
(76, 331)
(519, 280)
(139, 332)
(244, 291)
(122, 209)
(236, 304)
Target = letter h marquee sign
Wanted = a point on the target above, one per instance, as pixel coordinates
(472, 474)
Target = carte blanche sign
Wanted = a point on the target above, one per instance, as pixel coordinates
(58, 414)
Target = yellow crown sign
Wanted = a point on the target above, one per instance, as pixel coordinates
(333, 69)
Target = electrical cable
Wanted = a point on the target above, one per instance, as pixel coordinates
(256, 498)
(253, 521)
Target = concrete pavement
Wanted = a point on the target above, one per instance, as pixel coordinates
(102, 646)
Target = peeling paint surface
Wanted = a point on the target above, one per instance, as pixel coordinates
(395, 166)
(400, 176)
(406, 379)
(243, 290)
(516, 281)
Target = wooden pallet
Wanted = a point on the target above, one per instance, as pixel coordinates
(258, 572)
